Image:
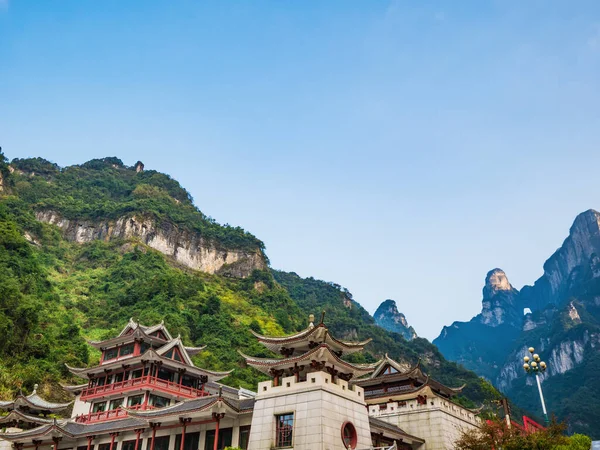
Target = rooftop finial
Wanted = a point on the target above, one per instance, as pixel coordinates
(311, 320)
(322, 316)
(35, 388)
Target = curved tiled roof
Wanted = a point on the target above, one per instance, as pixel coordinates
(15, 416)
(395, 430)
(73, 429)
(148, 355)
(34, 402)
(302, 339)
(265, 364)
(195, 405)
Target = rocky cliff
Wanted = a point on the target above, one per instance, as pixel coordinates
(103, 199)
(563, 326)
(500, 302)
(186, 248)
(388, 317)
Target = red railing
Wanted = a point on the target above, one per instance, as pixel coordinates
(140, 383)
(108, 415)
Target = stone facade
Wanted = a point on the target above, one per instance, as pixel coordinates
(320, 408)
(438, 421)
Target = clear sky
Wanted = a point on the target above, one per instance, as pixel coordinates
(399, 148)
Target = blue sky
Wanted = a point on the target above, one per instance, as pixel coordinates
(401, 149)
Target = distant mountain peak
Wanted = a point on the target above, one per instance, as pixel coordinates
(495, 281)
(388, 317)
(499, 303)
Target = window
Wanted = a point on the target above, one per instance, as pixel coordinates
(98, 407)
(189, 381)
(191, 441)
(104, 446)
(349, 435)
(145, 346)
(284, 427)
(83, 447)
(128, 445)
(114, 404)
(126, 350)
(135, 400)
(225, 435)
(136, 374)
(160, 443)
(244, 437)
(158, 402)
(118, 377)
(165, 374)
(111, 353)
(175, 354)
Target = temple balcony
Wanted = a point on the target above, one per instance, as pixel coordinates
(112, 414)
(142, 383)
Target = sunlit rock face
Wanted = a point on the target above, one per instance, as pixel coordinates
(387, 316)
(187, 248)
(500, 301)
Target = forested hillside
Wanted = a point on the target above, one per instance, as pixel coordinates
(57, 289)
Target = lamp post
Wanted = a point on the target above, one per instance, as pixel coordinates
(534, 366)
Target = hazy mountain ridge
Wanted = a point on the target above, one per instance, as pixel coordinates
(388, 317)
(564, 327)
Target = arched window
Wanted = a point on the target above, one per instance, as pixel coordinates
(349, 435)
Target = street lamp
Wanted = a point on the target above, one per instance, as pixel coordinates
(533, 366)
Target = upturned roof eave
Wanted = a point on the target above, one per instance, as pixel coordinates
(265, 364)
(15, 414)
(148, 355)
(138, 333)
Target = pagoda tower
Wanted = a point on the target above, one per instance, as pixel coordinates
(143, 367)
(309, 403)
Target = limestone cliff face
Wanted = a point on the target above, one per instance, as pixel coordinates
(561, 271)
(186, 248)
(387, 316)
(560, 356)
(500, 301)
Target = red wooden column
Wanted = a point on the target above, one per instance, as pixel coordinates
(112, 440)
(138, 432)
(217, 417)
(184, 422)
(154, 427)
(89, 438)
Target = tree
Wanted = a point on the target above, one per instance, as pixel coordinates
(496, 434)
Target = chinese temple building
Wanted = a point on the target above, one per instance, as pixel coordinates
(147, 394)
(413, 401)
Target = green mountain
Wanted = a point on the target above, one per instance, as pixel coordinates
(562, 322)
(86, 247)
